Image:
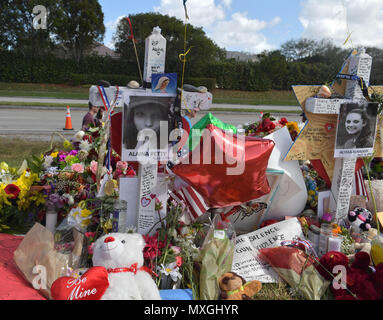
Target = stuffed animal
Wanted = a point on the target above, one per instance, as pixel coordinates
(234, 287)
(361, 283)
(122, 256)
(117, 273)
(360, 217)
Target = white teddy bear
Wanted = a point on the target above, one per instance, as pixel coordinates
(122, 255)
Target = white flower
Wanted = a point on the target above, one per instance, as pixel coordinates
(131, 229)
(69, 197)
(47, 161)
(79, 135)
(82, 155)
(171, 270)
(52, 170)
(85, 145)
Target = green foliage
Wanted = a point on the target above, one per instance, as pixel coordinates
(77, 25)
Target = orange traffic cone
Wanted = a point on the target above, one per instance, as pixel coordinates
(68, 121)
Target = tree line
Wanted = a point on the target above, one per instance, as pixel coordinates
(73, 26)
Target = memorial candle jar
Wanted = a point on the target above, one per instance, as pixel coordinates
(325, 233)
(334, 243)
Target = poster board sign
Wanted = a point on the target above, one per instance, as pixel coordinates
(148, 119)
(246, 262)
(356, 130)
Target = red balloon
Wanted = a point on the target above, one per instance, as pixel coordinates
(227, 169)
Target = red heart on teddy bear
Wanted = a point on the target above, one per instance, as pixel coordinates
(90, 286)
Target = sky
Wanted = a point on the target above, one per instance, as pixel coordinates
(256, 25)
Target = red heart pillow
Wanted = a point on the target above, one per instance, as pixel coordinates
(90, 286)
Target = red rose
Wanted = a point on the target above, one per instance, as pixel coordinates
(13, 190)
(283, 121)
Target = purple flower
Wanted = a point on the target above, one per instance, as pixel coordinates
(55, 200)
(73, 152)
(327, 217)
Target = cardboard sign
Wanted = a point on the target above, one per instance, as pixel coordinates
(245, 261)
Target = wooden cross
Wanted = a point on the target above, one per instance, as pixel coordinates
(317, 139)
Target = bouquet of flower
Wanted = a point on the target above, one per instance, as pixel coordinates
(18, 203)
(268, 124)
(170, 253)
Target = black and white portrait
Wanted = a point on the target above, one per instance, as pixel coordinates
(146, 126)
(356, 129)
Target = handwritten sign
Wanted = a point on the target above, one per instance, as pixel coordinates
(148, 179)
(155, 52)
(342, 186)
(319, 105)
(246, 262)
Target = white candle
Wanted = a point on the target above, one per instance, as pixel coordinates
(334, 243)
(51, 220)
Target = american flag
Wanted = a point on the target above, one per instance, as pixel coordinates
(193, 200)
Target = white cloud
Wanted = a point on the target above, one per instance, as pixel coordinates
(242, 34)
(112, 25)
(334, 19)
(237, 32)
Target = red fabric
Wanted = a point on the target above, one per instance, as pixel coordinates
(116, 132)
(90, 286)
(212, 181)
(12, 284)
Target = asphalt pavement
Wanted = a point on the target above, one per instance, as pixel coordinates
(41, 122)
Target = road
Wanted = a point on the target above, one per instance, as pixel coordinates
(41, 123)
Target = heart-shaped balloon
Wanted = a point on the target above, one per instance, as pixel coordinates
(90, 286)
(145, 201)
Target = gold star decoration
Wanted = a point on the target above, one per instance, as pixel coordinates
(316, 140)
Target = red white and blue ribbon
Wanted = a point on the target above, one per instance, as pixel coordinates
(301, 244)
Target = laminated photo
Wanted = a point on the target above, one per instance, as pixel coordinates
(147, 122)
(356, 130)
(164, 83)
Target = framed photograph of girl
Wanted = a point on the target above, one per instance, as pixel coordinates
(148, 120)
(356, 129)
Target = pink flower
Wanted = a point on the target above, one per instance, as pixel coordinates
(77, 167)
(176, 249)
(179, 261)
(93, 166)
(90, 248)
(122, 165)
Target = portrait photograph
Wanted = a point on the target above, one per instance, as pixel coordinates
(147, 122)
(356, 129)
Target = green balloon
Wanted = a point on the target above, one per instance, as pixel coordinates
(197, 129)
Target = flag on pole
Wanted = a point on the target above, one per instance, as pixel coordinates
(186, 11)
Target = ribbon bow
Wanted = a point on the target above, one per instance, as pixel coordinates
(132, 268)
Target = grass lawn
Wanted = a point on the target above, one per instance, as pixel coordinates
(61, 91)
(14, 150)
(272, 97)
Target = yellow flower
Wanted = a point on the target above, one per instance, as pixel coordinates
(292, 126)
(312, 192)
(54, 154)
(67, 144)
(4, 166)
(82, 204)
(85, 213)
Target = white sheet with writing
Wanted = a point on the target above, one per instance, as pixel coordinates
(247, 264)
